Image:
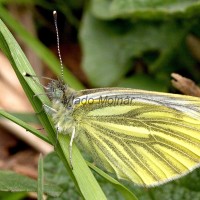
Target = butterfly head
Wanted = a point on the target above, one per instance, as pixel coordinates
(55, 89)
(58, 91)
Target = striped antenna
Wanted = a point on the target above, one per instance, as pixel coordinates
(58, 44)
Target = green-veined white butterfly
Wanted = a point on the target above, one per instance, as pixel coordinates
(146, 137)
(151, 139)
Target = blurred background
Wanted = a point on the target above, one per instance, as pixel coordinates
(129, 43)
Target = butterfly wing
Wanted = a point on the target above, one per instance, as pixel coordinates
(150, 140)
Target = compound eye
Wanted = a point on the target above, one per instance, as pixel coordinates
(69, 107)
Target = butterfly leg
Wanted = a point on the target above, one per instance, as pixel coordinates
(70, 147)
(56, 137)
(48, 109)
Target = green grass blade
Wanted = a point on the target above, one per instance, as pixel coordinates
(20, 64)
(127, 194)
(24, 125)
(40, 179)
(81, 170)
(26, 117)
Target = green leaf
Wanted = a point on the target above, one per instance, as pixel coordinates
(110, 47)
(143, 82)
(13, 182)
(13, 196)
(191, 181)
(186, 188)
(55, 173)
(146, 9)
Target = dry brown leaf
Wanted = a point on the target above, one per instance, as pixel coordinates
(185, 85)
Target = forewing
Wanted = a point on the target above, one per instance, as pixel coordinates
(150, 140)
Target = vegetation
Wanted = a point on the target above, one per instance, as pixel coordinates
(126, 43)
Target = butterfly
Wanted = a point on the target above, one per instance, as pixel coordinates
(145, 137)
(149, 138)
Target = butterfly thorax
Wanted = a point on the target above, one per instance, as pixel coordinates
(61, 110)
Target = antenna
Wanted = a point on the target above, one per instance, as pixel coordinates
(58, 44)
(35, 76)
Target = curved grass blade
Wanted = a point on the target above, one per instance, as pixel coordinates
(20, 65)
(127, 194)
(24, 125)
